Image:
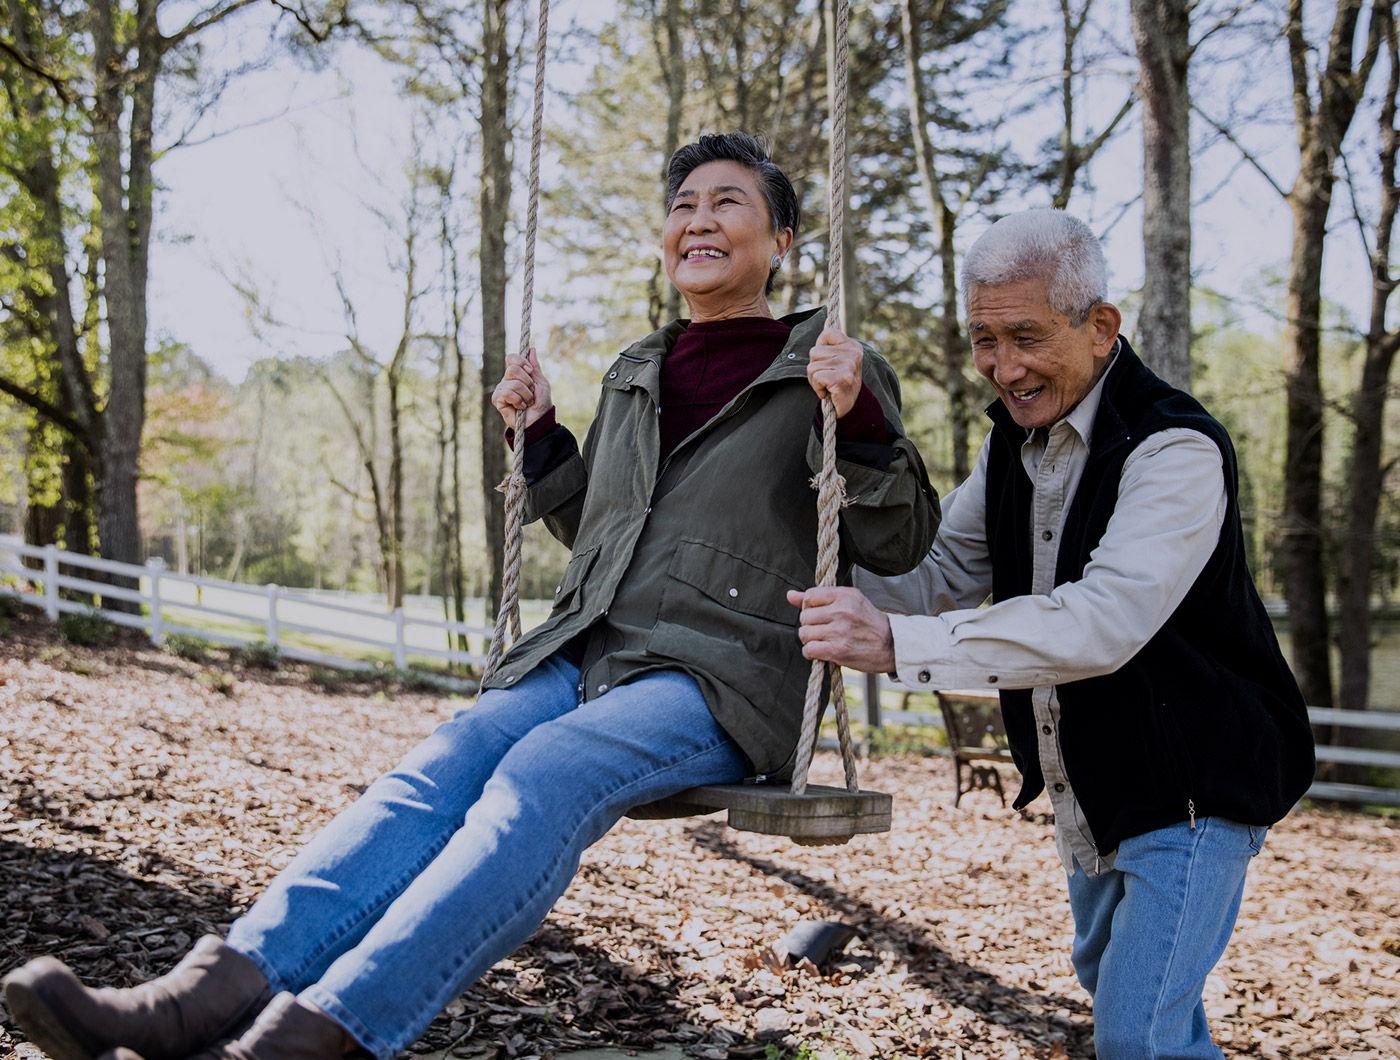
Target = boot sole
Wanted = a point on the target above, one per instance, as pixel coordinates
(29, 1010)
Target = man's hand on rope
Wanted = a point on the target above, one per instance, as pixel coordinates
(840, 625)
(524, 386)
(834, 369)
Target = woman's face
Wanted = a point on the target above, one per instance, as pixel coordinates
(719, 242)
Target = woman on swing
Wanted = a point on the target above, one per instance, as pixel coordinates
(670, 660)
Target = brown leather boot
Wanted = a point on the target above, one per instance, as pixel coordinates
(212, 994)
(286, 1030)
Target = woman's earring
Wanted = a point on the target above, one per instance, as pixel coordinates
(777, 262)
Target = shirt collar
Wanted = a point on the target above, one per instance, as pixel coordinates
(1081, 417)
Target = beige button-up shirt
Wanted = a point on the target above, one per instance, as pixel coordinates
(1171, 507)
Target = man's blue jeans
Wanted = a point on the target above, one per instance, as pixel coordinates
(1148, 932)
(449, 862)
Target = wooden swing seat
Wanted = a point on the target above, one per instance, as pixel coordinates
(822, 813)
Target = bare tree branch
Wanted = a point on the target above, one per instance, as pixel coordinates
(1245, 152)
(44, 408)
(59, 83)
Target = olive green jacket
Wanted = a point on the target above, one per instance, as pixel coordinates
(685, 565)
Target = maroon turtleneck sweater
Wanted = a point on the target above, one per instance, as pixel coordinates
(711, 362)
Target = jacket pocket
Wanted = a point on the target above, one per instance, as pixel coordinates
(729, 617)
(567, 597)
(736, 583)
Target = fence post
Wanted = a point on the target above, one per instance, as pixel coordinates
(274, 634)
(872, 700)
(400, 656)
(51, 582)
(154, 566)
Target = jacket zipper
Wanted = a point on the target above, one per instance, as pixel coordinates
(1191, 810)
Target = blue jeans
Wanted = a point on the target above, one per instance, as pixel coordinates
(1148, 932)
(450, 861)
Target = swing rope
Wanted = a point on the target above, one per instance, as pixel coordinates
(830, 484)
(514, 486)
(831, 487)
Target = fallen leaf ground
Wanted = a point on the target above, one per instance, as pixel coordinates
(146, 799)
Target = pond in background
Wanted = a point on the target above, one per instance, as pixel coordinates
(1385, 661)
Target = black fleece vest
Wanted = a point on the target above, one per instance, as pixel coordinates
(1206, 718)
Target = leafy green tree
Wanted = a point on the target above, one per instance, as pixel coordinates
(82, 88)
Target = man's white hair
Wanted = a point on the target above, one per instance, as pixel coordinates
(1047, 244)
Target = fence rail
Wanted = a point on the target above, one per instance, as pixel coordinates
(234, 614)
(1373, 720)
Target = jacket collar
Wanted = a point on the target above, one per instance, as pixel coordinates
(806, 326)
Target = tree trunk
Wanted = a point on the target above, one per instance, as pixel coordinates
(495, 206)
(946, 220)
(454, 528)
(1305, 583)
(1068, 166)
(396, 527)
(954, 352)
(675, 99)
(1074, 156)
(1161, 29)
(1368, 407)
(124, 198)
(1321, 125)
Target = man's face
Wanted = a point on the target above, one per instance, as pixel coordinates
(1040, 364)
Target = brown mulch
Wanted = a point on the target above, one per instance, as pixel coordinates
(146, 799)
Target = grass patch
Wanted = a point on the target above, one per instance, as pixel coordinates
(218, 681)
(260, 655)
(62, 659)
(87, 628)
(184, 646)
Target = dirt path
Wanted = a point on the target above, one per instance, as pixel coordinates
(144, 804)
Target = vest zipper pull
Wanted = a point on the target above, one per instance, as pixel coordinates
(1191, 809)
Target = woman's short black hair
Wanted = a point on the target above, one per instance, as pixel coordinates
(751, 152)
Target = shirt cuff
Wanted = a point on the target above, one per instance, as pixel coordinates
(536, 430)
(862, 435)
(925, 659)
(864, 421)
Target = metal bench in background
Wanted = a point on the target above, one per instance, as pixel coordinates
(976, 740)
(972, 723)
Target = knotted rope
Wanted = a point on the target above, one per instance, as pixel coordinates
(831, 487)
(514, 486)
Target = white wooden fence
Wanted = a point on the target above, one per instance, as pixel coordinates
(324, 631)
(1375, 720)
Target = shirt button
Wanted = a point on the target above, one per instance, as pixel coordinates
(602, 689)
(1047, 536)
(1046, 730)
(925, 677)
(1059, 787)
(557, 588)
(992, 680)
(733, 592)
(648, 511)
